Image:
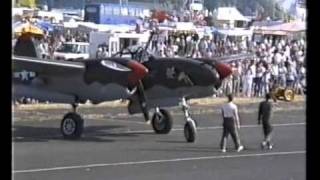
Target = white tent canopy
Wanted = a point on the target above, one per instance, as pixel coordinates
(70, 25)
(115, 28)
(178, 26)
(236, 32)
(20, 11)
(230, 14)
(184, 26)
(282, 29)
(87, 26)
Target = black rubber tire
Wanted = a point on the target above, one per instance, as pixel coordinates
(78, 126)
(190, 131)
(166, 122)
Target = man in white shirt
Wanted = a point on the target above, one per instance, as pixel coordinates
(301, 80)
(231, 125)
(259, 73)
(274, 72)
(236, 78)
(266, 79)
(290, 76)
(42, 50)
(161, 49)
(247, 83)
(277, 57)
(282, 74)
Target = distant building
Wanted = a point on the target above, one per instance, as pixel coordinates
(195, 5)
(298, 10)
(229, 17)
(78, 4)
(114, 13)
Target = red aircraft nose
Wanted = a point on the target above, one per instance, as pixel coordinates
(139, 72)
(223, 70)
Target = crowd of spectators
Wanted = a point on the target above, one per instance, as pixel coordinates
(277, 61)
(51, 42)
(190, 45)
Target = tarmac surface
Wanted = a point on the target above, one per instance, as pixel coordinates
(116, 145)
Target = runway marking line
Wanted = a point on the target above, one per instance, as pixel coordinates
(158, 161)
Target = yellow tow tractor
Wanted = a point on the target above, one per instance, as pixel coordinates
(283, 93)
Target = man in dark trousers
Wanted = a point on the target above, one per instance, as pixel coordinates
(231, 125)
(265, 114)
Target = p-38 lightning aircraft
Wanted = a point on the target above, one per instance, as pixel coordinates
(153, 84)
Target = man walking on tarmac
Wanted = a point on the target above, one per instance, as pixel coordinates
(231, 125)
(265, 114)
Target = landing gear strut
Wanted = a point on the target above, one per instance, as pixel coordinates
(190, 127)
(72, 124)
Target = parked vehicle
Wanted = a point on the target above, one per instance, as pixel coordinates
(72, 50)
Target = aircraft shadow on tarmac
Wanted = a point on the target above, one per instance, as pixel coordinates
(200, 149)
(187, 149)
(172, 141)
(22, 133)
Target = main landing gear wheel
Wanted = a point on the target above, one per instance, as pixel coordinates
(190, 131)
(72, 126)
(162, 122)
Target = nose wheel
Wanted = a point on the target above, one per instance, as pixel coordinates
(190, 131)
(190, 127)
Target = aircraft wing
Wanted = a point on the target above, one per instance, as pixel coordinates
(97, 80)
(46, 67)
(235, 57)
